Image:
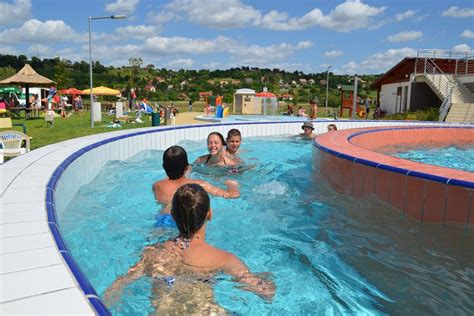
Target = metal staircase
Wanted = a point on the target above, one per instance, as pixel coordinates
(458, 100)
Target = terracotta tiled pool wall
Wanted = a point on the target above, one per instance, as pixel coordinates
(349, 160)
(36, 266)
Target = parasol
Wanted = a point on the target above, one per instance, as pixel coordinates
(102, 91)
(28, 76)
(72, 91)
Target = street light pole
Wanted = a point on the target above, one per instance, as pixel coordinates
(327, 88)
(354, 100)
(113, 17)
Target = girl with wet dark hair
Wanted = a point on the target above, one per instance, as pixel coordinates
(216, 147)
(188, 262)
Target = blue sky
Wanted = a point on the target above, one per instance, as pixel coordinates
(353, 36)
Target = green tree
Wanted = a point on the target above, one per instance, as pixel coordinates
(61, 74)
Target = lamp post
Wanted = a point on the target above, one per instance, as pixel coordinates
(113, 17)
(327, 88)
(354, 100)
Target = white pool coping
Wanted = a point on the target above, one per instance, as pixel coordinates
(36, 274)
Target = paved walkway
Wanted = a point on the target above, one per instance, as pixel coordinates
(188, 118)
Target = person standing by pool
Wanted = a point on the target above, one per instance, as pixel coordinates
(233, 141)
(216, 156)
(183, 268)
(190, 105)
(367, 108)
(307, 131)
(176, 165)
(313, 112)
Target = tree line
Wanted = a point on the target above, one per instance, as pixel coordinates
(161, 84)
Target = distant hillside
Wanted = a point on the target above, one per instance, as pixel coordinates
(165, 84)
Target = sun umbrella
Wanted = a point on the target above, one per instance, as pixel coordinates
(26, 77)
(10, 89)
(72, 91)
(101, 91)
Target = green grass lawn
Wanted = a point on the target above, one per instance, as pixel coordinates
(78, 125)
(65, 128)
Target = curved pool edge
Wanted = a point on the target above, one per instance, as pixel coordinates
(37, 268)
(349, 161)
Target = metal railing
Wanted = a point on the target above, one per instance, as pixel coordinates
(464, 60)
(444, 108)
(442, 82)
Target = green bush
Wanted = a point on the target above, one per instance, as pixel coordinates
(430, 114)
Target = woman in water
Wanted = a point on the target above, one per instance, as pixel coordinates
(216, 156)
(182, 269)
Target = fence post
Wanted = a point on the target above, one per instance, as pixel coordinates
(467, 60)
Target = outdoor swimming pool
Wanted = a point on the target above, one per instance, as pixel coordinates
(327, 253)
(455, 157)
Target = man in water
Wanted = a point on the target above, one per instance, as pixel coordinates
(307, 131)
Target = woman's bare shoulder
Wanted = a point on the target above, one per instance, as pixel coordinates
(201, 159)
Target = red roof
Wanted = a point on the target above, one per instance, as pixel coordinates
(265, 95)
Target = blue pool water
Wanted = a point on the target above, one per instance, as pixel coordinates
(328, 254)
(455, 157)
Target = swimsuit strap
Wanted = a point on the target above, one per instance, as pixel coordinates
(182, 242)
(208, 158)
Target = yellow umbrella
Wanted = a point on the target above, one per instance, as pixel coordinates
(101, 91)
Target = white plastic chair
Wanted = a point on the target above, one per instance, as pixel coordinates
(13, 143)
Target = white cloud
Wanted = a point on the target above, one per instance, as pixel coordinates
(34, 31)
(181, 63)
(185, 45)
(255, 54)
(467, 34)
(162, 17)
(213, 66)
(333, 53)
(304, 45)
(405, 15)
(348, 16)
(351, 15)
(462, 47)
(226, 14)
(379, 62)
(222, 14)
(137, 31)
(457, 12)
(122, 7)
(8, 50)
(404, 36)
(19, 10)
(39, 50)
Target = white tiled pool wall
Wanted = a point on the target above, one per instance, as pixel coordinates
(34, 277)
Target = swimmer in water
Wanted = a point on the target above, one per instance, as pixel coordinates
(175, 163)
(307, 131)
(216, 156)
(233, 142)
(332, 127)
(180, 269)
